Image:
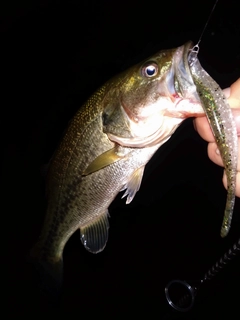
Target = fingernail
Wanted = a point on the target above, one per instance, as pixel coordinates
(236, 114)
(226, 92)
(217, 151)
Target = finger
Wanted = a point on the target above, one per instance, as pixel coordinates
(235, 91)
(227, 92)
(233, 94)
(237, 183)
(236, 114)
(215, 156)
(202, 126)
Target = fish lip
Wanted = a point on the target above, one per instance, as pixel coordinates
(188, 58)
(187, 49)
(183, 83)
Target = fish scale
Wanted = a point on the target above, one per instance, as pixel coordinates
(108, 143)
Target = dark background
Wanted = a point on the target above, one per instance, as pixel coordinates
(54, 55)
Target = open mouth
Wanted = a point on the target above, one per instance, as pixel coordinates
(183, 81)
(188, 55)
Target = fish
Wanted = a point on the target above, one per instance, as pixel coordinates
(109, 142)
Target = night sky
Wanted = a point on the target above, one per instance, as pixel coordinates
(55, 54)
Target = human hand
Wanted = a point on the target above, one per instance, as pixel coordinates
(203, 128)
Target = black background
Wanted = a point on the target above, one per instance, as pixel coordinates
(54, 55)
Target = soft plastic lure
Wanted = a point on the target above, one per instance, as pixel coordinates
(223, 127)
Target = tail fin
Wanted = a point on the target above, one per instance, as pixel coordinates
(48, 274)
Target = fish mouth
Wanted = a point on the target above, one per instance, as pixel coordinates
(178, 100)
(181, 87)
(186, 54)
(184, 86)
(182, 74)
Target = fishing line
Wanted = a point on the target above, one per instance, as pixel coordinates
(194, 51)
(186, 302)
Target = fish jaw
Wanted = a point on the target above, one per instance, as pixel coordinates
(183, 92)
(161, 103)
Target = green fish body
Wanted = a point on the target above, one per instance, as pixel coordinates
(106, 147)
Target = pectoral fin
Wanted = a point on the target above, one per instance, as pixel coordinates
(94, 235)
(133, 184)
(105, 159)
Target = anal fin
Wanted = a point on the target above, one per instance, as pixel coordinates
(94, 235)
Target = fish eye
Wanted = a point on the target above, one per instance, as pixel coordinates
(150, 70)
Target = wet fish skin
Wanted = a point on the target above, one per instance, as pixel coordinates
(224, 130)
(106, 147)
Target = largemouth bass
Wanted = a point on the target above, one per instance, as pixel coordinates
(111, 139)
